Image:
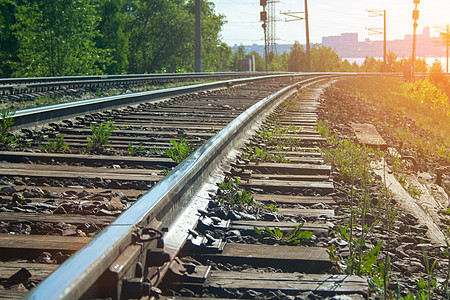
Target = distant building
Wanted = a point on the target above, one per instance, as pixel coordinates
(425, 34)
(343, 39)
(347, 45)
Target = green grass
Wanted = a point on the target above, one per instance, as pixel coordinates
(179, 150)
(421, 101)
(7, 140)
(100, 136)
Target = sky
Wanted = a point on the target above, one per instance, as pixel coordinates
(328, 18)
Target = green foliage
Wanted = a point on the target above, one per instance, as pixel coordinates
(161, 34)
(411, 188)
(323, 59)
(100, 136)
(230, 193)
(297, 58)
(351, 159)
(272, 208)
(258, 154)
(9, 44)
(133, 150)
(6, 138)
(237, 57)
(427, 98)
(279, 62)
(393, 64)
(323, 128)
(359, 261)
(112, 34)
(57, 145)
(243, 197)
(446, 254)
(57, 38)
(292, 238)
(409, 100)
(437, 77)
(179, 150)
(260, 63)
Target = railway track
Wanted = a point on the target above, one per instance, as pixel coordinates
(53, 204)
(22, 93)
(218, 225)
(38, 86)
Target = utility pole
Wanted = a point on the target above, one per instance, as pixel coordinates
(445, 39)
(379, 13)
(198, 37)
(263, 17)
(308, 47)
(296, 17)
(413, 59)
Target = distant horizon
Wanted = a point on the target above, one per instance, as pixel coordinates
(329, 18)
(361, 41)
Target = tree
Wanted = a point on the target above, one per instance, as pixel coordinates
(56, 38)
(371, 64)
(162, 36)
(8, 42)
(346, 66)
(260, 63)
(437, 77)
(324, 59)
(237, 57)
(214, 51)
(279, 62)
(112, 35)
(297, 58)
(392, 63)
(156, 29)
(219, 60)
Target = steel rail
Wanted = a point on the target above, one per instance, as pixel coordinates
(9, 85)
(74, 277)
(14, 85)
(25, 80)
(37, 116)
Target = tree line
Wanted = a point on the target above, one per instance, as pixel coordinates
(324, 59)
(85, 37)
(82, 37)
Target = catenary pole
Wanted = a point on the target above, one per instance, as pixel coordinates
(198, 37)
(308, 47)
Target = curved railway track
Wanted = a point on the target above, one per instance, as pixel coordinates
(177, 240)
(67, 198)
(111, 223)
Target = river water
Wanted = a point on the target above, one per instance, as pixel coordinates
(429, 60)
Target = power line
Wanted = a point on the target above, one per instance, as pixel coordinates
(379, 13)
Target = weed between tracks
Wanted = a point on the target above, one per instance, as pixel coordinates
(279, 138)
(353, 163)
(100, 137)
(179, 150)
(57, 145)
(7, 140)
(231, 194)
(292, 238)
